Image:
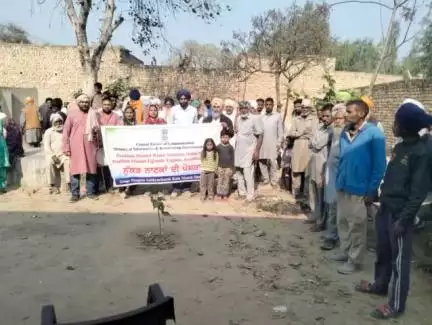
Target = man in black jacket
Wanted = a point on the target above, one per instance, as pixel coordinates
(406, 184)
(218, 117)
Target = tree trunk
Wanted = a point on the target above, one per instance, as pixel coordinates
(383, 56)
(277, 86)
(285, 114)
(90, 78)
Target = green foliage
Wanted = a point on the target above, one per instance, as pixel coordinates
(425, 47)
(120, 87)
(158, 203)
(360, 55)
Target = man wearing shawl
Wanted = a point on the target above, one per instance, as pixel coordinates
(16, 150)
(56, 160)
(31, 123)
(183, 114)
(80, 144)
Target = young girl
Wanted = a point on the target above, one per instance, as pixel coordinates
(225, 166)
(209, 165)
(286, 164)
(128, 119)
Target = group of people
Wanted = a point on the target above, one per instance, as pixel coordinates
(337, 163)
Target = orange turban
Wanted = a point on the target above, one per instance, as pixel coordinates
(368, 101)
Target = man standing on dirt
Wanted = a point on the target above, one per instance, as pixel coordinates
(248, 145)
(361, 168)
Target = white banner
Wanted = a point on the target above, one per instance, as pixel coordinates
(156, 154)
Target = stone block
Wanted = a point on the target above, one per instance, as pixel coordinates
(34, 171)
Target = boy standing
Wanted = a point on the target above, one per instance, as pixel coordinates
(226, 165)
(406, 183)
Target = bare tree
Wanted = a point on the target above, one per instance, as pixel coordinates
(11, 33)
(147, 16)
(401, 11)
(283, 43)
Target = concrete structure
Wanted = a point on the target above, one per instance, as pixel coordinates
(55, 71)
(387, 98)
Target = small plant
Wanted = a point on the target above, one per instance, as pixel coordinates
(158, 203)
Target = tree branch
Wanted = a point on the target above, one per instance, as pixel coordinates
(107, 31)
(361, 2)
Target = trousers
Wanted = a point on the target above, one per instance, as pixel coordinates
(393, 260)
(268, 168)
(316, 202)
(331, 222)
(352, 225)
(90, 184)
(246, 182)
(207, 184)
(54, 173)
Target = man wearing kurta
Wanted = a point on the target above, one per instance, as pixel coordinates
(319, 147)
(79, 143)
(106, 117)
(31, 123)
(272, 142)
(331, 236)
(56, 160)
(247, 149)
(302, 130)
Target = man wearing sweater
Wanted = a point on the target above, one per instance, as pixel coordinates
(361, 168)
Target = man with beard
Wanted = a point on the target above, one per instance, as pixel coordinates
(218, 117)
(106, 117)
(260, 105)
(361, 168)
(80, 144)
(272, 142)
(319, 148)
(247, 149)
(302, 130)
(183, 114)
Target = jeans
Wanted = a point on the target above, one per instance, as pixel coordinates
(90, 184)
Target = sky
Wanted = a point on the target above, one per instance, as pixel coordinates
(48, 24)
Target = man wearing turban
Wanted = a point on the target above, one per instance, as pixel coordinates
(80, 144)
(183, 114)
(56, 160)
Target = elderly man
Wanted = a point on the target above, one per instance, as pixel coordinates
(218, 117)
(331, 237)
(319, 148)
(302, 130)
(57, 161)
(272, 142)
(183, 114)
(361, 168)
(247, 148)
(80, 144)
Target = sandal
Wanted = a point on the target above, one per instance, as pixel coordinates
(370, 288)
(384, 312)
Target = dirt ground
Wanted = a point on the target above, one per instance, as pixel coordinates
(231, 264)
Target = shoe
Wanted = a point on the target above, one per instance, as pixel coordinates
(316, 228)
(338, 257)
(92, 196)
(328, 245)
(74, 198)
(347, 268)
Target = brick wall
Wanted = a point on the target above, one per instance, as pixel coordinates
(55, 71)
(387, 98)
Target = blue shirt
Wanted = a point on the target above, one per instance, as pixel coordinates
(362, 161)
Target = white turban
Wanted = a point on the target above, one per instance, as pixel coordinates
(83, 98)
(56, 117)
(155, 101)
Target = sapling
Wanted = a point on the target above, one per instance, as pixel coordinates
(159, 204)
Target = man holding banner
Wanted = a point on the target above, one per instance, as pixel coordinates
(183, 114)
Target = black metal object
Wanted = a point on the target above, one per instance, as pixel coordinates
(159, 309)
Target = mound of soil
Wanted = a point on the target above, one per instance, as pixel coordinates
(155, 240)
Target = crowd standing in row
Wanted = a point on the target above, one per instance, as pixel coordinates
(333, 159)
